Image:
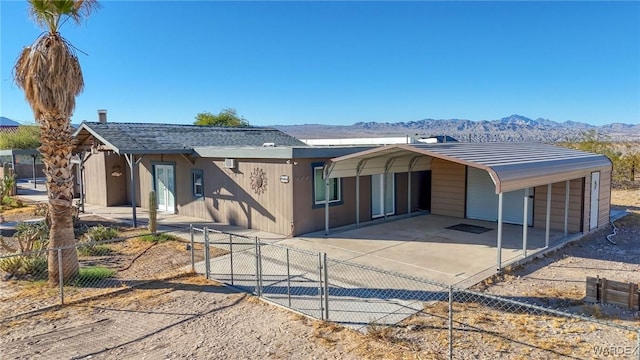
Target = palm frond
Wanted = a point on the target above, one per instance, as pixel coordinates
(50, 14)
(49, 73)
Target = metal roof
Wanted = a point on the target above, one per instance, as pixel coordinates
(512, 166)
(141, 138)
(278, 152)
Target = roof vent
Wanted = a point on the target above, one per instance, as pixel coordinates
(269, 144)
(230, 163)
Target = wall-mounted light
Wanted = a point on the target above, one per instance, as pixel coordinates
(284, 179)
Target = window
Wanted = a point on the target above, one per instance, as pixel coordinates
(197, 181)
(319, 188)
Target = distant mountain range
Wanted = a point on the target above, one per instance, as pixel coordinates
(512, 128)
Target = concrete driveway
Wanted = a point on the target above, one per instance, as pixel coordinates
(423, 246)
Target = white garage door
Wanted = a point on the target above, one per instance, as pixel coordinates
(482, 200)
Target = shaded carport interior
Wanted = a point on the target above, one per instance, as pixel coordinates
(511, 166)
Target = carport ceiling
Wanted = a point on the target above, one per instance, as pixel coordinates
(512, 166)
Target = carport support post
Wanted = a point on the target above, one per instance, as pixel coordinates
(132, 183)
(525, 222)
(409, 192)
(358, 199)
(326, 206)
(566, 208)
(384, 194)
(548, 218)
(499, 264)
(359, 168)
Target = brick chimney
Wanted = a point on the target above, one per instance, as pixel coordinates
(102, 116)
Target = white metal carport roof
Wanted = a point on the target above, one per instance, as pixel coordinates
(512, 166)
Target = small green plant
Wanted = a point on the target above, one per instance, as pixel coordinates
(91, 274)
(7, 187)
(94, 250)
(162, 237)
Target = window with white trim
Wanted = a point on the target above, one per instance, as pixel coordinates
(197, 179)
(319, 188)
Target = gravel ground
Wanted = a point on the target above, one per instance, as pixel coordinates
(187, 319)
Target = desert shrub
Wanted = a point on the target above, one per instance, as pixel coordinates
(36, 266)
(12, 265)
(101, 233)
(32, 236)
(95, 234)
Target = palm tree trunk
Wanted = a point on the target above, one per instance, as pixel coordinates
(56, 153)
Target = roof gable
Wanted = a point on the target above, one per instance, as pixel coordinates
(141, 138)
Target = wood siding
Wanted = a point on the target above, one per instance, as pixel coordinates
(103, 185)
(604, 200)
(94, 180)
(229, 197)
(447, 188)
(576, 190)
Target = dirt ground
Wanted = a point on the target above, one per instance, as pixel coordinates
(194, 318)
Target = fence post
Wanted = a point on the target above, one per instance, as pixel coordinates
(320, 286)
(288, 279)
(193, 254)
(257, 250)
(450, 322)
(231, 255)
(207, 265)
(60, 276)
(638, 345)
(326, 286)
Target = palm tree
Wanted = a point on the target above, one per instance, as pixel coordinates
(49, 73)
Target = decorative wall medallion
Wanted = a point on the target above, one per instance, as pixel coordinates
(258, 181)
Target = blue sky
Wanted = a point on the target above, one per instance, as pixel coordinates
(345, 62)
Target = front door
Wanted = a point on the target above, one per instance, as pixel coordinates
(164, 176)
(380, 200)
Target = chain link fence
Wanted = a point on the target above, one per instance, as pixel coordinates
(456, 323)
(104, 267)
(432, 318)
